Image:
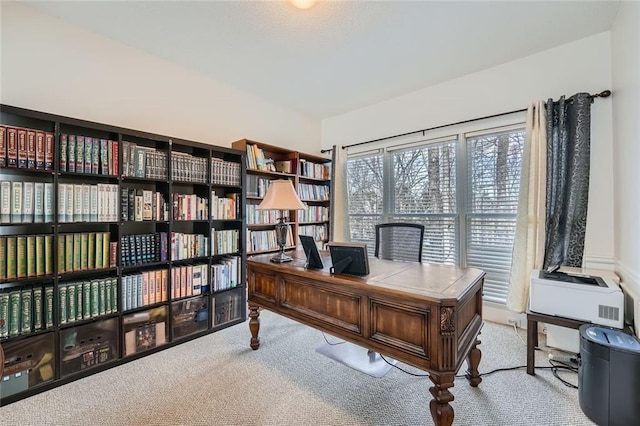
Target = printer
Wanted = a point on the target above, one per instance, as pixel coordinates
(585, 295)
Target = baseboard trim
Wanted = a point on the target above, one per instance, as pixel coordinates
(602, 263)
(498, 313)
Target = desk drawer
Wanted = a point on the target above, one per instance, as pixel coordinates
(338, 308)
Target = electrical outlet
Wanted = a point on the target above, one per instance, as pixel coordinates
(513, 321)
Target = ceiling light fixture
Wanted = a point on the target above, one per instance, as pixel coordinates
(303, 4)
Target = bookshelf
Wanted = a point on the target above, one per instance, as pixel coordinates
(114, 244)
(311, 176)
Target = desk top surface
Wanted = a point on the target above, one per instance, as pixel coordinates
(432, 281)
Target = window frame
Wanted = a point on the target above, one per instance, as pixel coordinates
(461, 133)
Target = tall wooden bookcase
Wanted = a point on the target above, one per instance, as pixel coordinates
(110, 256)
(310, 175)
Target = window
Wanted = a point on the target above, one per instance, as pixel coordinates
(365, 192)
(462, 188)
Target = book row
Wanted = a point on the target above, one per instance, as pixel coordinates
(256, 159)
(189, 280)
(144, 288)
(87, 203)
(151, 163)
(84, 154)
(26, 148)
(313, 192)
(318, 232)
(83, 300)
(25, 256)
(32, 202)
(261, 217)
(225, 172)
(225, 241)
(257, 186)
(315, 170)
(26, 202)
(142, 205)
(313, 214)
(25, 311)
(223, 208)
(143, 162)
(85, 251)
(186, 246)
(266, 240)
(226, 273)
(139, 249)
(188, 168)
(190, 207)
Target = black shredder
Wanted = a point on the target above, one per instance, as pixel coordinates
(609, 376)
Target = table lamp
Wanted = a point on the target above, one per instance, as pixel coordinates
(281, 196)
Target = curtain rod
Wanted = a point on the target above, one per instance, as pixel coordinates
(603, 94)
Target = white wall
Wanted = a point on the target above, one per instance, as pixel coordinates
(52, 66)
(581, 66)
(625, 51)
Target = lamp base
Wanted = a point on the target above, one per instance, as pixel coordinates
(281, 257)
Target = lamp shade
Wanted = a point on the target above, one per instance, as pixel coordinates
(281, 196)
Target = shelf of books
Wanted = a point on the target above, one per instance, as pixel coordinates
(114, 244)
(311, 176)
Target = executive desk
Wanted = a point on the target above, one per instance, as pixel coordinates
(428, 316)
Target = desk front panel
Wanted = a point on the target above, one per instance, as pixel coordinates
(396, 327)
(428, 333)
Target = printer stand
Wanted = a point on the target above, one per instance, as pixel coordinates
(532, 333)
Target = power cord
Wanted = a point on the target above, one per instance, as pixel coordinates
(515, 330)
(329, 343)
(402, 369)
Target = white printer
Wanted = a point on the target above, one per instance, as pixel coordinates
(578, 294)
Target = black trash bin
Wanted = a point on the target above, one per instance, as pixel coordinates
(609, 376)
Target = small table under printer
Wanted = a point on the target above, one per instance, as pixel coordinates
(580, 294)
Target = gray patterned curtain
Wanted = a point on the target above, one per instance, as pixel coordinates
(568, 146)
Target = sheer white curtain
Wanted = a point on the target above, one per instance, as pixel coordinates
(339, 220)
(528, 247)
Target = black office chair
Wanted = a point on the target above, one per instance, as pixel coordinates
(399, 241)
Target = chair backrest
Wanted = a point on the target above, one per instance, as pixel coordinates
(399, 241)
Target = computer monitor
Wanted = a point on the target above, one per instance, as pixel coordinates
(349, 258)
(311, 251)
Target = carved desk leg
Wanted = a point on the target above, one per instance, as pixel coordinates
(473, 360)
(441, 411)
(254, 326)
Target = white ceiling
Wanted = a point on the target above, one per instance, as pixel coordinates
(337, 56)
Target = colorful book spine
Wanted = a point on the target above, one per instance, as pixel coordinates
(14, 313)
(5, 202)
(12, 147)
(48, 254)
(22, 148)
(31, 149)
(11, 257)
(4, 315)
(48, 306)
(49, 150)
(26, 310)
(3, 258)
(63, 152)
(37, 309)
(3, 146)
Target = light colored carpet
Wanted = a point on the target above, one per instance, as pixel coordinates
(219, 380)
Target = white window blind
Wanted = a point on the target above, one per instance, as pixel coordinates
(424, 192)
(365, 191)
(464, 189)
(494, 162)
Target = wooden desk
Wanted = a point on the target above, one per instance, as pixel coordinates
(425, 315)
